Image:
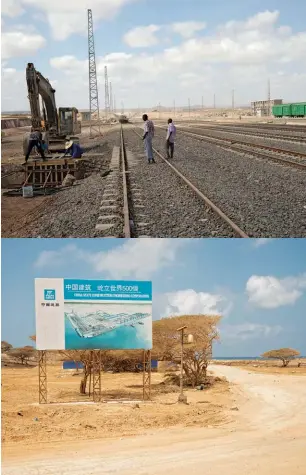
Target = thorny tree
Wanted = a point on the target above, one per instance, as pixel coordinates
(283, 354)
(166, 343)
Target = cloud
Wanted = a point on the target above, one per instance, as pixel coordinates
(142, 36)
(248, 331)
(18, 44)
(271, 292)
(67, 17)
(187, 28)
(260, 242)
(188, 302)
(139, 258)
(237, 55)
(135, 258)
(11, 8)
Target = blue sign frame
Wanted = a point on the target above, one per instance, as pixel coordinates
(116, 290)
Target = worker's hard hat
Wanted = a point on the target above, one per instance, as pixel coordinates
(68, 144)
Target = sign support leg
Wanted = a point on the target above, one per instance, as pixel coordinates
(146, 375)
(42, 376)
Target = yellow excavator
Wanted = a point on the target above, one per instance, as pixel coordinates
(56, 126)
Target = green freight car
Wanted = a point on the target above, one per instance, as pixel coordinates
(290, 110)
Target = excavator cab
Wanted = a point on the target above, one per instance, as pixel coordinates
(68, 121)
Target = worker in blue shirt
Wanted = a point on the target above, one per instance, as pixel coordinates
(74, 149)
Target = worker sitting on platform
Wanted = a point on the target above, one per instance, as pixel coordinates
(74, 149)
(35, 140)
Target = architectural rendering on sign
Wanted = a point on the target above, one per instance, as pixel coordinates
(74, 314)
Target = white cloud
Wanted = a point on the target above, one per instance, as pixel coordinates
(260, 242)
(271, 292)
(135, 258)
(67, 17)
(142, 36)
(11, 8)
(17, 44)
(187, 28)
(248, 331)
(139, 258)
(186, 302)
(237, 55)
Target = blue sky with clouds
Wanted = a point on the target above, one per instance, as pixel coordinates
(157, 50)
(258, 285)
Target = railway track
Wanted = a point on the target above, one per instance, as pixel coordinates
(285, 138)
(234, 227)
(122, 210)
(253, 149)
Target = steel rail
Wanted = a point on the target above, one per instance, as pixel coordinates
(287, 138)
(209, 203)
(231, 146)
(126, 212)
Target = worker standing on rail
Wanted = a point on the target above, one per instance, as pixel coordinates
(147, 138)
(35, 140)
(74, 149)
(171, 133)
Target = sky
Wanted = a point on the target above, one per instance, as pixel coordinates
(257, 285)
(157, 50)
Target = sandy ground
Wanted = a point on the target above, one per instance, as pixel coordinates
(266, 435)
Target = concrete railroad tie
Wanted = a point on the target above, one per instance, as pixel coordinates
(110, 209)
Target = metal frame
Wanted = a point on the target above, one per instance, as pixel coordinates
(96, 376)
(93, 85)
(147, 375)
(42, 376)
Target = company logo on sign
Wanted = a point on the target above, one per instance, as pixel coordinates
(49, 294)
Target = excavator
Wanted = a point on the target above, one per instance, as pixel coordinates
(56, 126)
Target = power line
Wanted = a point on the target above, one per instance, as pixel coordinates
(93, 86)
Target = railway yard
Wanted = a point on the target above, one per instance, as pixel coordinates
(225, 180)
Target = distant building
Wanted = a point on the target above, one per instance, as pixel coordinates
(264, 108)
(85, 115)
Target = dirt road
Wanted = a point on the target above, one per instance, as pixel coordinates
(268, 436)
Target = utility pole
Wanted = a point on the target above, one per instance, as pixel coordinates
(93, 85)
(159, 110)
(202, 103)
(115, 104)
(174, 107)
(122, 107)
(182, 398)
(106, 93)
(214, 101)
(233, 99)
(189, 107)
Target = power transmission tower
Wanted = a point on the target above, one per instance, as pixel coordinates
(106, 93)
(269, 99)
(93, 86)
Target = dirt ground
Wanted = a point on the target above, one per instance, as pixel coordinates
(58, 421)
(18, 212)
(259, 429)
(269, 367)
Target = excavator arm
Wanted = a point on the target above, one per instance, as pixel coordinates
(40, 86)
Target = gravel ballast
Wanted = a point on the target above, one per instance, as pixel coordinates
(263, 198)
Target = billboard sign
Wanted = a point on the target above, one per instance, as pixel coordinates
(74, 314)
